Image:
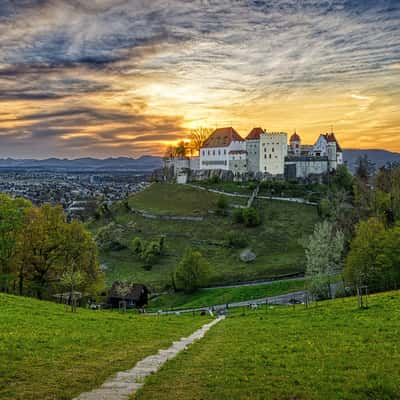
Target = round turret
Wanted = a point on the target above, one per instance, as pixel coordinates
(295, 144)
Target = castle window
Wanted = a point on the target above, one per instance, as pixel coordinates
(224, 151)
(219, 152)
(270, 156)
(272, 150)
(213, 152)
(208, 152)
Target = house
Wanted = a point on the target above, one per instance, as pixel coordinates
(214, 154)
(320, 147)
(134, 295)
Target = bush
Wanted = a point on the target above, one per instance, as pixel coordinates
(251, 217)
(109, 237)
(238, 216)
(214, 179)
(147, 251)
(236, 239)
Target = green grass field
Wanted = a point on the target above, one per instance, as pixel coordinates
(170, 199)
(276, 242)
(209, 297)
(332, 351)
(47, 353)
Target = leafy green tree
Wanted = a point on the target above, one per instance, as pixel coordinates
(343, 179)
(12, 212)
(71, 280)
(148, 251)
(48, 246)
(364, 260)
(374, 257)
(324, 251)
(222, 205)
(192, 271)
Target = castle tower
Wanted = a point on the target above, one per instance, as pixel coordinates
(332, 155)
(295, 144)
(273, 150)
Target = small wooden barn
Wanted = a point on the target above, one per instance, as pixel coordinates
(132, 294)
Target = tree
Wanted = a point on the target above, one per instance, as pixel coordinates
(170, 152)
(198, 136)
(222, 205)
(12, 213)
(364, 260)
(374, 256)
(192, 271)
(48, 246)
(364, 168)
(342, 179)
(71, 280)
(148, 251)
(181, 149)
(323, 250)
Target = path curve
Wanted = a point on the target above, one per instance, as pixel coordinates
(122, 385)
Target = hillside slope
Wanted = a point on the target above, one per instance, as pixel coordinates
(276, 242)
(332, 351)
(48, 353)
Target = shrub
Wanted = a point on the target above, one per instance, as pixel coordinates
(251, 217)
(238, 216)
(236, 239)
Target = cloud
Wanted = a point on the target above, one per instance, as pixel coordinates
(115, 71)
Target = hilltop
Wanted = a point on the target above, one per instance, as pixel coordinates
(276, 242)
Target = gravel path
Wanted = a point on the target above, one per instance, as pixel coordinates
(124, 384)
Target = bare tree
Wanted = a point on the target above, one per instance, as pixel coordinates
(198, 136)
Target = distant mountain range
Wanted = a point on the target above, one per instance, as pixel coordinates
(150, 163)
(378, 157)
(144, 163)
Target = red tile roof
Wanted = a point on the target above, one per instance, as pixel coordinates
(254, 134)
(222, 137)
(330, 137)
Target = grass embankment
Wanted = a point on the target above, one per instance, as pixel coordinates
(332, 351)
(276, 242)
(47, 353)
(169, 199)
(245, 188)
(217, 296)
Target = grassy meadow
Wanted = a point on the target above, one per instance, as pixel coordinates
(209, 297)
(170, 199)
(276, 242)
(330, 351)
(48, 353)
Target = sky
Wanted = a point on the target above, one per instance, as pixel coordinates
(108, 78)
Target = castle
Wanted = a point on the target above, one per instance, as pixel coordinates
(261, 155)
